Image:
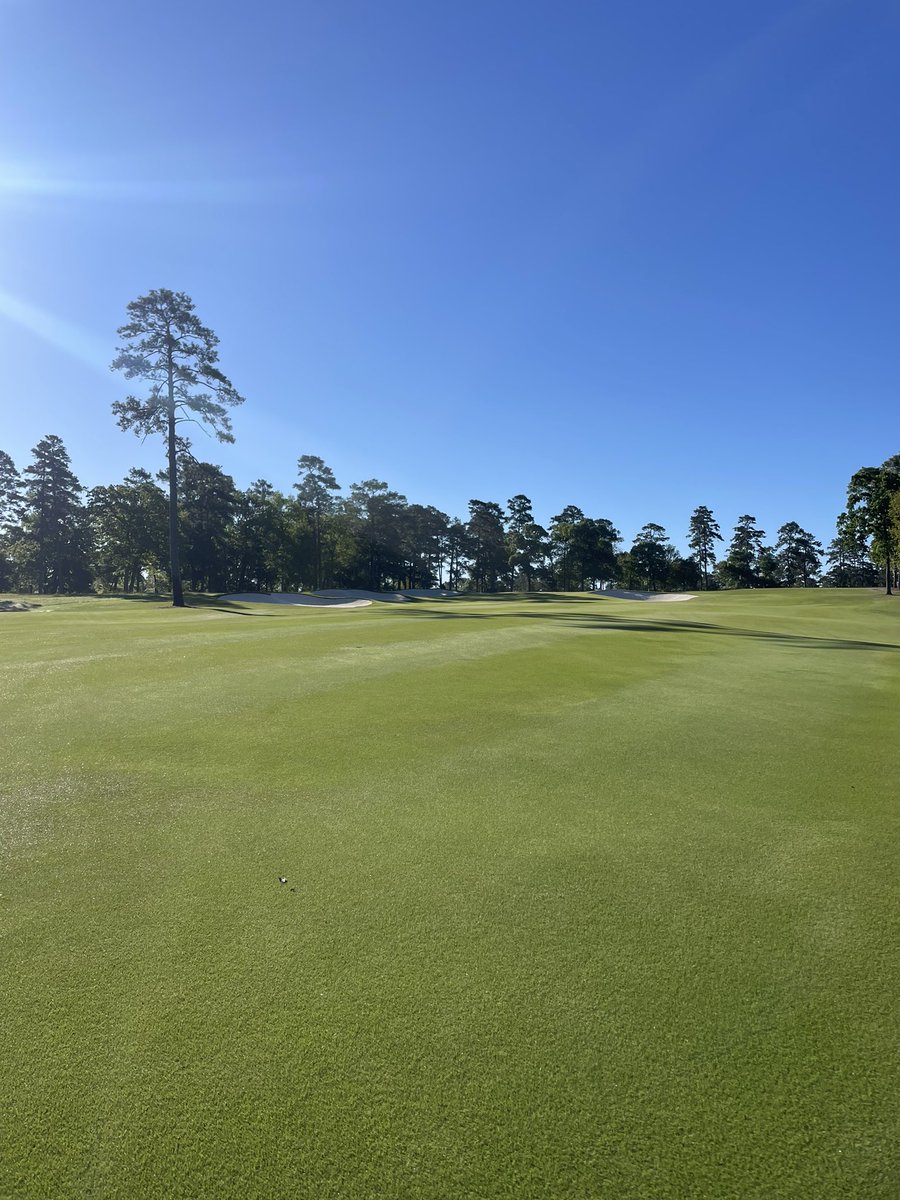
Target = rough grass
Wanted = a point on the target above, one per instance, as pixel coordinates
(586, 898)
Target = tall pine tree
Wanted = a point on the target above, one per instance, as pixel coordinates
(52, 544)
(703, 534)
(166, 346)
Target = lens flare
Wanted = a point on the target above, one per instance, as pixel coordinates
(63, 335)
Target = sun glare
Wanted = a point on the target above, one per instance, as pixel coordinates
(62, 335)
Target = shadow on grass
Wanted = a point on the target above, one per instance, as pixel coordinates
(602, 621)
(421, 607)
(191, 601)
(529, 597)
(133, 597)
(232, 612)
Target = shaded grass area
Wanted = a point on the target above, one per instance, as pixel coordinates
(586, 901)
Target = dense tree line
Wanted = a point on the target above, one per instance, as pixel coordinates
(56, 536)
(192, 523)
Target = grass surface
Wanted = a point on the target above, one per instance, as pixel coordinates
(586, 898)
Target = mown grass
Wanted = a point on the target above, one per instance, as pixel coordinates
(586, 898)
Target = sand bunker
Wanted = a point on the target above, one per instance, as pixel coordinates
(294, 598)
(617, 594)
(339, 597)
(359, 598)
(387, 597)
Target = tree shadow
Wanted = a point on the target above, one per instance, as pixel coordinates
(193, 601)
(528, 597)
(135, 597)
(617, 624)
(233, 612)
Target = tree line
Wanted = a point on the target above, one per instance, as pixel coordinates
(190, 524)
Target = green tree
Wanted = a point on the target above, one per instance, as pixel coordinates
(314, 491)
(703, 534)
(651, 554)
(52, 542)
(891, 467)
(456, 550)
(740, 567)
(424, 533)
(166, 346)
(258, 535)
(209, 503)
(10, 511)
(798, 556)
(593, 550)
(627, 573)
(128, 521)
(562, 546)
(378, 515)
(869, 496)
(526, 541)
(10, 490)
(486, 550)
(684, 574)
(894, 526)
(847, 555)
(768, 568)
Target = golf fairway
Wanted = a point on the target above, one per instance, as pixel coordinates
(585, 898)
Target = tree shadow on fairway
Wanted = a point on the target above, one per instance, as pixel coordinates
(133, 597)
(195, 602)
(232, 612)
(530, 597)
(616, 624)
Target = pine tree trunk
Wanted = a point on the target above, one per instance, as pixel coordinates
(174, 557)
(318, 532)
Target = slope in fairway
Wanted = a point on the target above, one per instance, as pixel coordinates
(584, 898)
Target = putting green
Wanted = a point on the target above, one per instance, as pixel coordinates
(585, 898)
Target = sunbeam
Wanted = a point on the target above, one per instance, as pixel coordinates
(62, 335)
(20, 181)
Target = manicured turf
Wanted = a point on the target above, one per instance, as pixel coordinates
(586, 898)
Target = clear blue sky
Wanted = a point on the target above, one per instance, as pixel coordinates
(635, 256)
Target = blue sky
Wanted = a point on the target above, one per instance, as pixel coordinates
(635, 256)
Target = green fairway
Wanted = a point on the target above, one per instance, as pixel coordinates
(585, 898)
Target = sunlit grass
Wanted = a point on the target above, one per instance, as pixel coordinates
(584, 898)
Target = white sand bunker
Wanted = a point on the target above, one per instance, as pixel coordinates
(296, 599)
(617, 594)
(387, 597)
(359, 598)
(338, 597)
